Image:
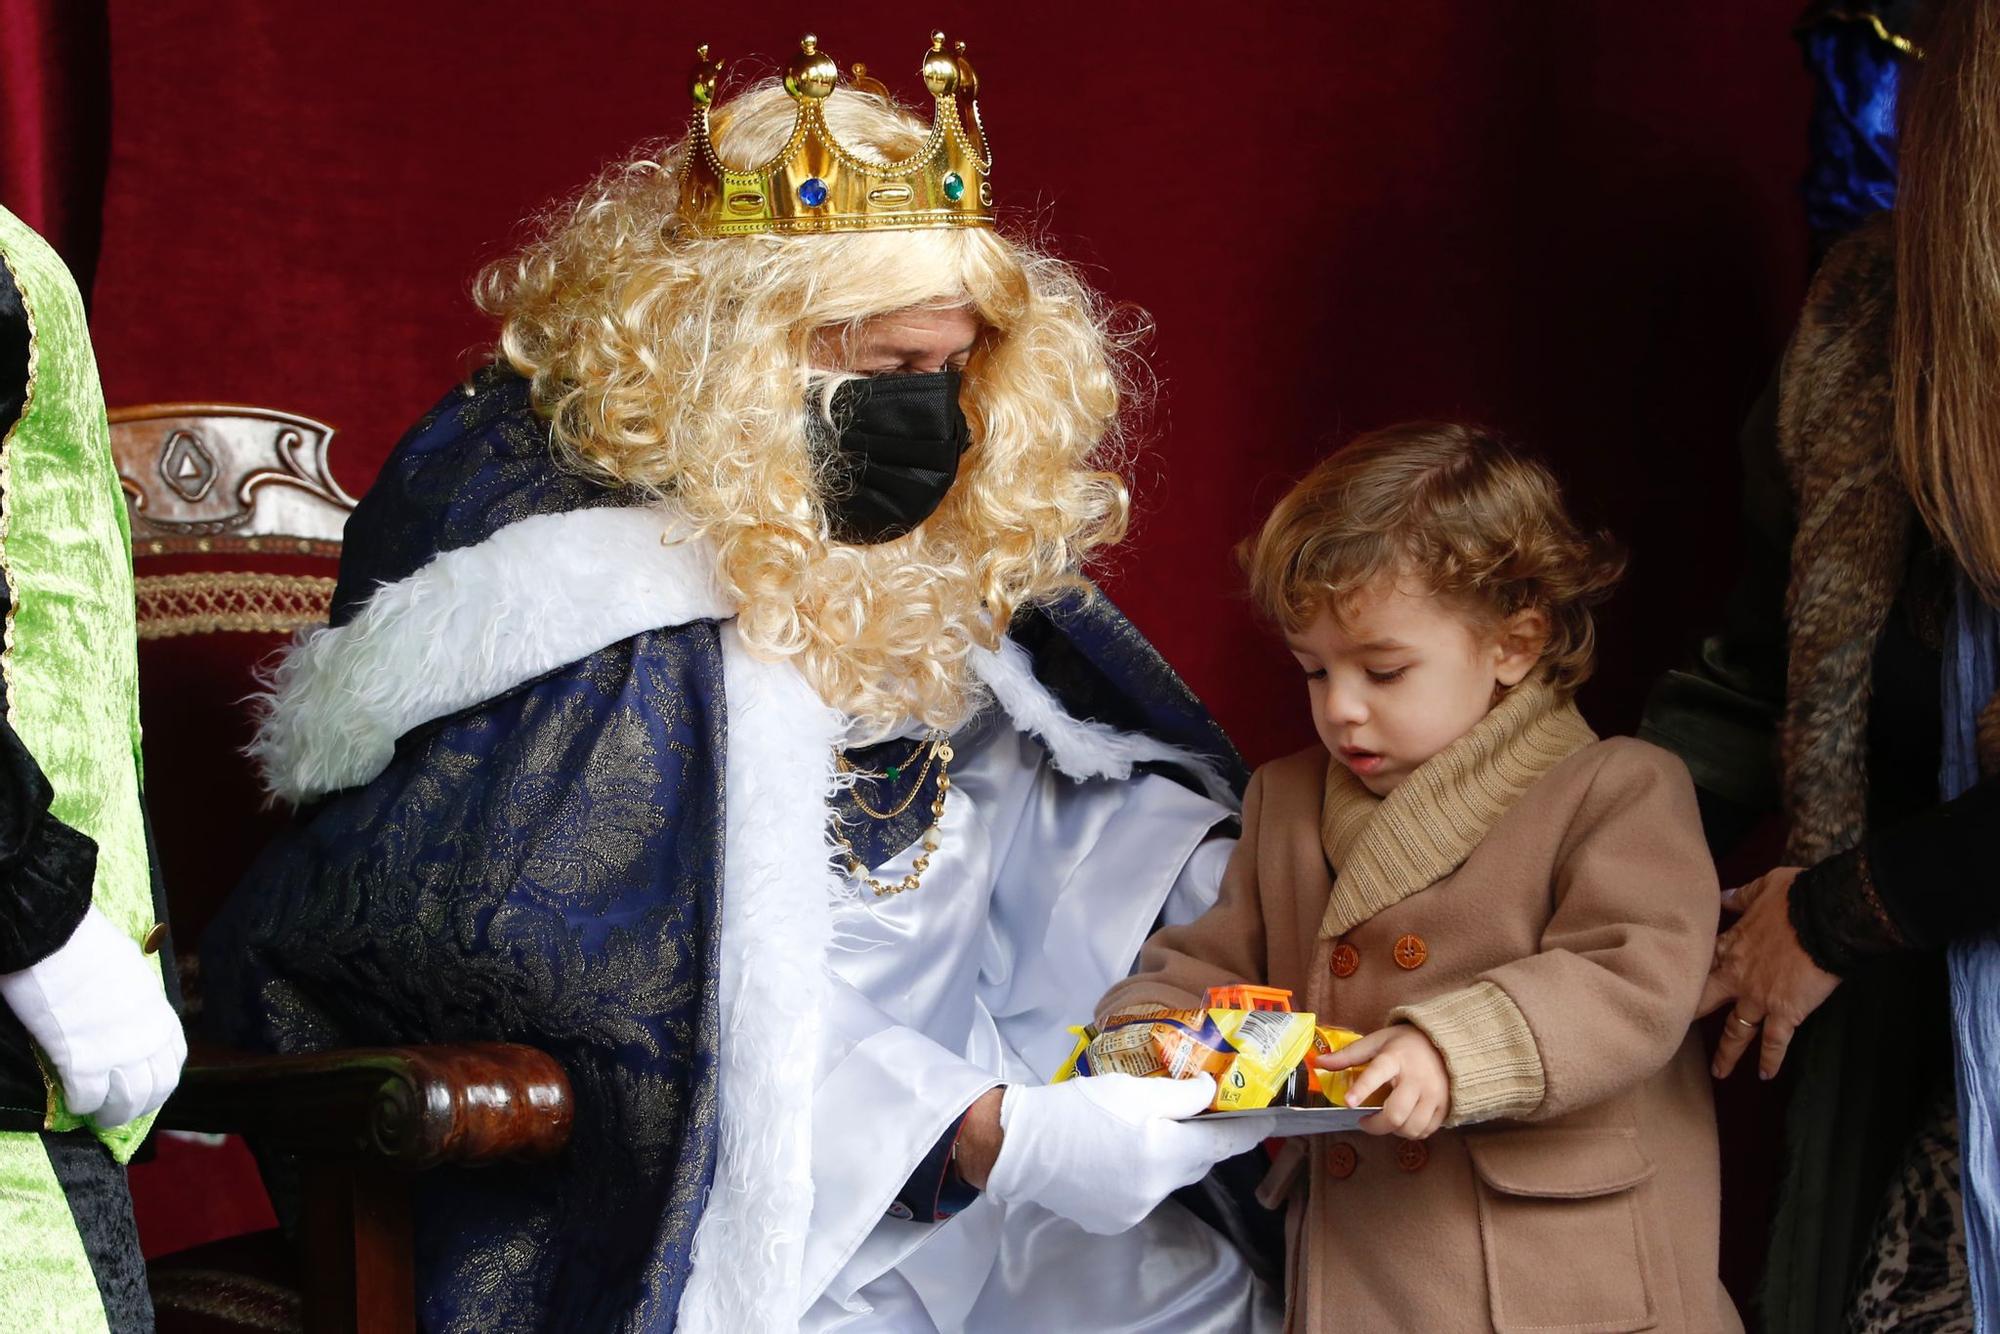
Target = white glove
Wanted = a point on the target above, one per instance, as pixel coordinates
(1103, 1151)
(96, 1008)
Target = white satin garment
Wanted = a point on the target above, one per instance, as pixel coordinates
(1038, 899)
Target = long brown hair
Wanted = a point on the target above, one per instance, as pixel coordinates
(1946, 359)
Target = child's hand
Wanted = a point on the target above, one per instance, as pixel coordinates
(1403, 1060)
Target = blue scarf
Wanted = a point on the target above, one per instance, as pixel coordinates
(1971, 671)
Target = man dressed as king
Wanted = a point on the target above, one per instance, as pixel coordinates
(713, 699)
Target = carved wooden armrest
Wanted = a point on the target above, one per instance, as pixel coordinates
(407, 1107)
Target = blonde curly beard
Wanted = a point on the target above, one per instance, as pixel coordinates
(682, 365)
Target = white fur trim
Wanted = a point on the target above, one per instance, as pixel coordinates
(778, 885)
(470, 625)
(1077, 746)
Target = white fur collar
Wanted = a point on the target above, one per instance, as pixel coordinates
(1080, 747)
(472, 624)
(538, 595)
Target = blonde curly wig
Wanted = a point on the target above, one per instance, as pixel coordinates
(683, 365)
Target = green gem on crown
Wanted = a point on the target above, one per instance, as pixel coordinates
(954, 187)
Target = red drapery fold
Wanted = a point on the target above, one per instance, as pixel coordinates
(55, 123)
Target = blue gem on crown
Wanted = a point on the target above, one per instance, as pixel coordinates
(812, 192)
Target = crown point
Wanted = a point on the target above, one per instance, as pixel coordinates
(813, 73)
(707, 74)
(940, 71)
(864, 82)
(968, 80)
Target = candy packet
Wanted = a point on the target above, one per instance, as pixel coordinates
(1334, 1085)
(1255, 1048)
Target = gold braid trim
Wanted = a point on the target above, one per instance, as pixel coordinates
(202, 604)
(1883, 31)
(244, 1301)
(1895, 39)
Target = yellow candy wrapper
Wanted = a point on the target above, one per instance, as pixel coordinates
(1247, 1037)
(1335, 1085)
(1150, 1041)
(1251, 1053)
(1269, 1046)
(1083, 1033)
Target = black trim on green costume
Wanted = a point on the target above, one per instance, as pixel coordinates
(100, 1203)
(14, 341)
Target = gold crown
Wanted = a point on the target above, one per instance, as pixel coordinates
(814, 184)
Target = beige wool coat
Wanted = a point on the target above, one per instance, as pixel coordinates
(1543, 906)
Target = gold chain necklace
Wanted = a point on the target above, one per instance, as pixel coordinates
(928, 748)
(941, 755)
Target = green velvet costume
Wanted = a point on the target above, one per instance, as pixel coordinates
(72, 834)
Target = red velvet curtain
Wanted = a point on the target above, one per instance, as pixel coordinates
(55, 123)
(1576, 221)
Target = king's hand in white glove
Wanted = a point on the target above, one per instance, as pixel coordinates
(1103, 1151)
(96, 1008)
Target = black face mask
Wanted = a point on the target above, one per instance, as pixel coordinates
(896, 454)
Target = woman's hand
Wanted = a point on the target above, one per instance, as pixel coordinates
(1403, 1060)
(1760, 965)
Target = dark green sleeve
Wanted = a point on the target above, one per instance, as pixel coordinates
(1721, 712)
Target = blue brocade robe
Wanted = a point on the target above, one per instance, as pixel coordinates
(510, 754)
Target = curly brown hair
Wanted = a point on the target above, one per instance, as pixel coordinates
(1453, 506)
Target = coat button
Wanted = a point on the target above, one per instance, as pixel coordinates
(1345, 960)
(1411, 952)
(1412, 1154)
(155, 938)
(1341, 1160)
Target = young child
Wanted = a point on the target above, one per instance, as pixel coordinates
(1519, 915)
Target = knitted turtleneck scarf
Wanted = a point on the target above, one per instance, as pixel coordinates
(1384, 849)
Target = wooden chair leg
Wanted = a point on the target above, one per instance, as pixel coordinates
(359, 1275)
